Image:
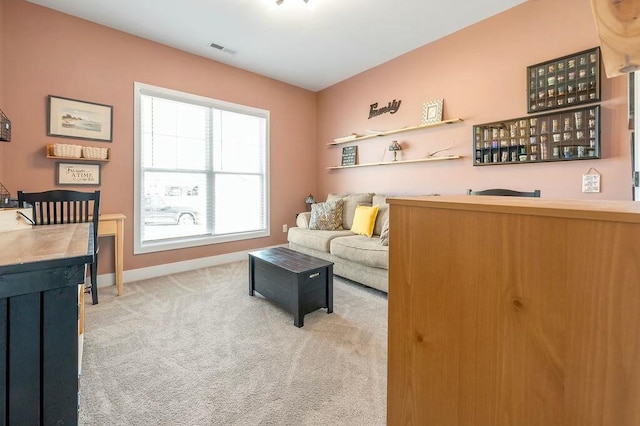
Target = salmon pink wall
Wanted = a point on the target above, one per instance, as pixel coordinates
(47, 52)
(480, 72)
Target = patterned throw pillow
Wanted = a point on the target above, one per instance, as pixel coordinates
(351, 201)
(384, 235)
(326, 216)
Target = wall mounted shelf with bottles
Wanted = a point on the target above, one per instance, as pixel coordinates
(564, 82)
(561, 136)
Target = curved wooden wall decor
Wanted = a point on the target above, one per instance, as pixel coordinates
(618, 25)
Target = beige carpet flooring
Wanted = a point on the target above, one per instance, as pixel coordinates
(195, 349)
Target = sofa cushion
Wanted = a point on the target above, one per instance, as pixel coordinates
(351, 201)
(383, 214)
(326, 216)
(313, 239)
(384, 235)
(379, 199)
(302, 220)
(364, 220)
(361, 249)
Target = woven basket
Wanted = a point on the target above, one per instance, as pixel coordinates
(68, 151)
(94, 153)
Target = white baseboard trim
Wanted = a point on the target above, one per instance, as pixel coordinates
(173, 268)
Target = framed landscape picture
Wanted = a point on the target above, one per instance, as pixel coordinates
(71, 118)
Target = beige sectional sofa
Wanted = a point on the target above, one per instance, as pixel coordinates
(356, 257)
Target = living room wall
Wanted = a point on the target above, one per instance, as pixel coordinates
(47, 52)
(480, 72)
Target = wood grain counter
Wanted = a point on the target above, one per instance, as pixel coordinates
(40, 247)
(513, 311)
(40, 269)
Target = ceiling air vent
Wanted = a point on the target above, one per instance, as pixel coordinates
(223, 49)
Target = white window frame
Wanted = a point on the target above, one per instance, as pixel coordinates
(140, 247)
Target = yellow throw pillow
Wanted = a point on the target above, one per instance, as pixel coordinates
(364, 220)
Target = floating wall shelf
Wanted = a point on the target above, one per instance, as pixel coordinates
(50, 154)
(387, 163)
(392, 132)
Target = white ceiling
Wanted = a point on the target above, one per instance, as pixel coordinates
(310, 45)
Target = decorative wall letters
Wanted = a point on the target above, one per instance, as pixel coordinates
(392, 107)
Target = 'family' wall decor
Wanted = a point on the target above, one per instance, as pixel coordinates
(392, 107)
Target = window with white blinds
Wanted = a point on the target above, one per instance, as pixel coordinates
(201, 170)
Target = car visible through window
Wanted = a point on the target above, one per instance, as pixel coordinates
(165, 211)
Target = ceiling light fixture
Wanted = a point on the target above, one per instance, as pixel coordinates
(279, 2)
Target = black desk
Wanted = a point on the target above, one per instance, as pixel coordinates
(40, 269)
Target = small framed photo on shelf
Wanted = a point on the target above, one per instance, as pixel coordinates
(71, 118)
(77, 174)
(349, 155)
(432, 111)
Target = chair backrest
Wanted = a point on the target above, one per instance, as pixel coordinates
(63, 206)
(505, 192)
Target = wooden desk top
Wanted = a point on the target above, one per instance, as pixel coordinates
(42, 247)
(608, 210)
(112, 216)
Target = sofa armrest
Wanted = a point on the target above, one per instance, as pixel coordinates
(302, 221)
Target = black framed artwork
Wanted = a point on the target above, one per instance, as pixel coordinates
(72, 118)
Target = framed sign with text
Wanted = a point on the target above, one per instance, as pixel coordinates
(349, 155)
(77, 174)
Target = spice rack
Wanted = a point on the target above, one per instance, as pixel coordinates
(564, 82)
(561, 136)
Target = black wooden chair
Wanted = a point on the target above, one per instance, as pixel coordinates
(66, 206)
(505, 192)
